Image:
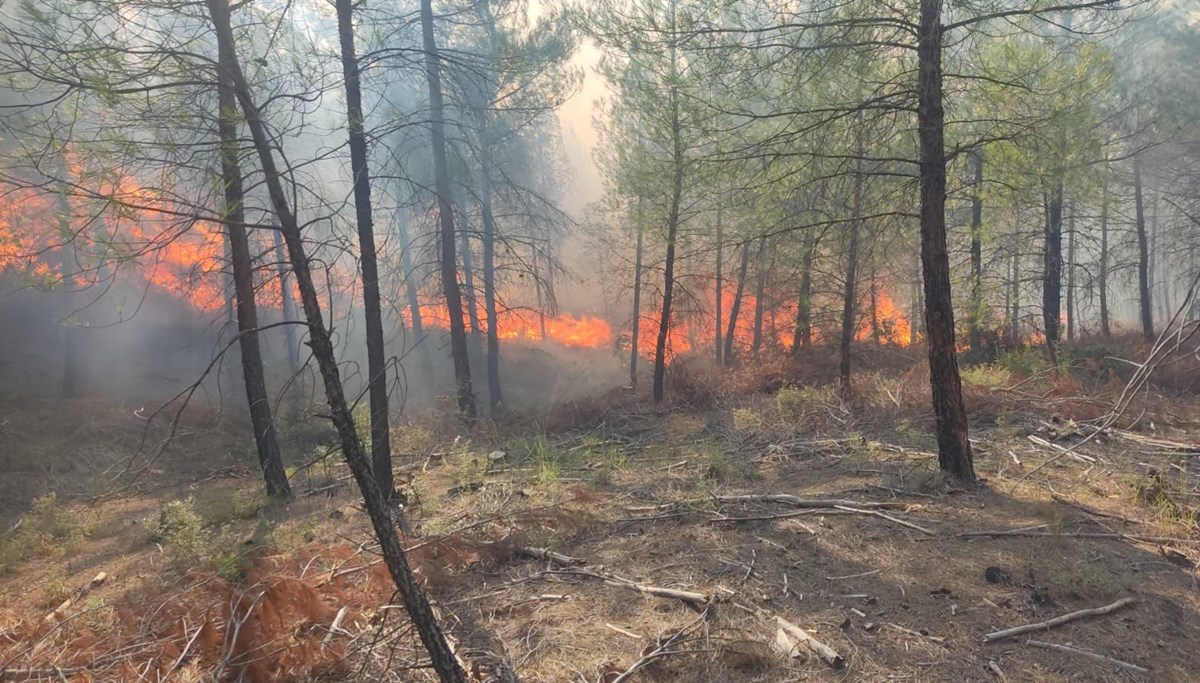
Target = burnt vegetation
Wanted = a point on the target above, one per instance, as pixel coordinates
(604, 341)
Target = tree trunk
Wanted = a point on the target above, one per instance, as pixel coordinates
(289, 306)
(413, 299)
(760, 290)
(803, 336)
(720, 289)
(1145, 304)
(449, 263)
(876, 332)
(975, 312)
(1015, 316)
(1105, 328)
(736, 306)
(419, 609)
(259, 402)
(1052, 266)
(381, 447)
(475, 336)
(495, 397)
(850, 293)
(954, 447)
(636, 330)
(664, 323)
(1070, 265)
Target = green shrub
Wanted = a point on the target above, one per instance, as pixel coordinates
(46, 527)
(181, 528)
(1025, 362)
(987, 375)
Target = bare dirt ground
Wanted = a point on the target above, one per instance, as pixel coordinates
(533, 542)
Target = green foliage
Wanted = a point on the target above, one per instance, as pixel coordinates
(986, 375)
(181, 529)
(46, 528)
(1024, 362)
(790, 399)
(226, 509)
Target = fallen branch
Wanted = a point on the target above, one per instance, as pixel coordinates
(551, 556)
(1087, 653)
(95, 583)
(790, 637)
(1020, 533)
(894, 520)
(798, 502)
(1058, 621)
(692, 598)
(662, 650)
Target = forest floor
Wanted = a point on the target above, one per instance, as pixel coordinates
(535, 535)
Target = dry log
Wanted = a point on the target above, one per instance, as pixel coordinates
(692, 598)
(97, 581)
(1087, 653)
(799, 637)
(1058, 621)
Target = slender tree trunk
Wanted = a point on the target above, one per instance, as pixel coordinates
(720, 289)
(954, 446)
(1015, 316)
(1145, 304)
(475, 336)
(975, 313)
(418, 607)
(259, 402)
(803, 336)
(495, 395)
(876, 332)
(736, 306)
(664, 324)
(1052, 266)
(1070, 265)
(289, 305)
(850, 293)
(1105, 328)
(411, 280)
(449, 262)
(760, 290)
(381, 447)
(637, 302)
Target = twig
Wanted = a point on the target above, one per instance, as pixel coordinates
(909, 631)
(551, 556)
(894, 520)
(95, 583)
(799, 636)
(1058, 621)
(662, 650)
(1087, 653)
(623, 632)
(696, 599)
(852, 576)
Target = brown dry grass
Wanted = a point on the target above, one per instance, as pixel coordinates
(633, 493)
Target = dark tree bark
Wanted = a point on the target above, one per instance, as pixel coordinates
(635, 332)
(803, 336)
(1052, 267)
(954, 446)
(664, 323)
(1105, 327)
(265, 441)
(760, 290)
(289, 305)
(381, 446)
(720, 289)
(475, 335)
(418, 607)
(849, 292)
(976, 310)
(449, 262)
(1070, 265)
(1145, 304)
(736, 306)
